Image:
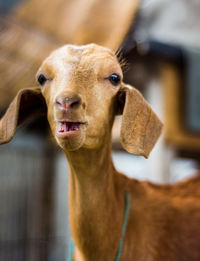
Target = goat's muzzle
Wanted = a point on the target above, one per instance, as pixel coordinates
(69, 115)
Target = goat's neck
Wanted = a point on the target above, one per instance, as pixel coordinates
(95, 203)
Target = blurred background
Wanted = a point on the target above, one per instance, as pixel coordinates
(160, 41)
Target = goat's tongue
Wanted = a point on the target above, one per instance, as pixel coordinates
(68, 126)
(63, 127)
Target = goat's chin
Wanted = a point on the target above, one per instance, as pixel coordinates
(72, 143)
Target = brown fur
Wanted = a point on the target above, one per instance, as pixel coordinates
(164, 221)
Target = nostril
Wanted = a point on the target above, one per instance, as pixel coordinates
(60, 102)
(75, 102)
(67, 102)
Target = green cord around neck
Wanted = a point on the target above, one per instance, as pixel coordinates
(119, 252)
(126, 214)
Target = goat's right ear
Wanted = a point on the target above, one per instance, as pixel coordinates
(28, 103)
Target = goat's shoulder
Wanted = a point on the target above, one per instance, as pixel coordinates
(187, 188)
(169, 215)
(168, 198)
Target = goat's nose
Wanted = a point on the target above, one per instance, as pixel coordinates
(68, 102)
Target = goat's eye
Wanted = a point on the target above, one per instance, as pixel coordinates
(114, 79)
(42, 79)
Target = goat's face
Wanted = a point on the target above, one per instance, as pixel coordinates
(82, 89)
(80, 85)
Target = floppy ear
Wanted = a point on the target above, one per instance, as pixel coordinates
(140, 125)
(28, 102)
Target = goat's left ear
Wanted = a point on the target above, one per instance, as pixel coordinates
(28, 103)
(140, 125)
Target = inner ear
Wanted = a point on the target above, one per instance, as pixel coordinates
(32, 104)
(120, 102)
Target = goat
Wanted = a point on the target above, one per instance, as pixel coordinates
(81, 90)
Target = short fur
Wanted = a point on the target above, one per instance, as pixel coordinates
(164, 221)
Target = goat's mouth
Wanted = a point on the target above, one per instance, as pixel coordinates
(66, 128)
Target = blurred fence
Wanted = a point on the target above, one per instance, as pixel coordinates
(33, 200)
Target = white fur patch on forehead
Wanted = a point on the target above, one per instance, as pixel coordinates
(77, 47)
(78, 51)
(88, 49)
(63, 55)
(87, 46)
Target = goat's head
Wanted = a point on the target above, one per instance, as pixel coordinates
(83, 90)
